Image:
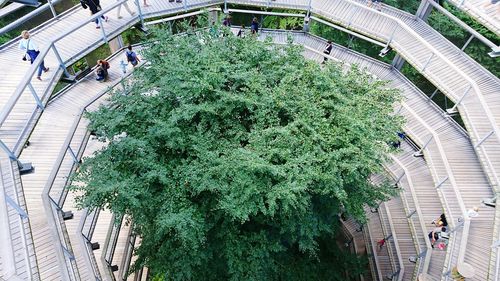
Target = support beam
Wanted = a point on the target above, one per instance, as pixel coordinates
(454, 110)
(35, 96)
(16, 207)
(424, 10)
(484, 139)
(420, 153)
(468, 42)
(441, 182)
(398, 62)
(62, 65)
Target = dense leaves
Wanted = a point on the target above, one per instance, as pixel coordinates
(234, 157)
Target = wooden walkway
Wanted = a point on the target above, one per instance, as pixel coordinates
(450, 154)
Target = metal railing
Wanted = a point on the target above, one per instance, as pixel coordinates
(391, 241)
(391, 38)
(86, 228)
(427, 251)
(371, 249)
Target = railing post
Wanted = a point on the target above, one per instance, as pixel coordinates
(8, 151)
(399, 178)
(411, 214)
(139, 12)
(441, 182)
(16, 207)
(309, 8)
(52, 8)
(420, 153)
(392, 35)
(67, 252)
(59, 58)
(104, 37)
(484, 139)
(35, 96)
(433, 94)
(73, 155)
(225, 7)
(427, 62)
(453, 110)
(468, 42)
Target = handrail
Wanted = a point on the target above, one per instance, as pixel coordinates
(67, 146)
(445, 161)
(388, 243)
(396, 244)
(419, 214)
(473, 84)
(373, 250)
(448, 171)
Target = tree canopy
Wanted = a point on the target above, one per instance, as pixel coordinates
(236, 156)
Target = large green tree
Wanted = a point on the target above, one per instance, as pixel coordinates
(235, 157)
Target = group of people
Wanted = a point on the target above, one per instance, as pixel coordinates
(103, 66)
(438, 236)
(31, 52)
(254, 26)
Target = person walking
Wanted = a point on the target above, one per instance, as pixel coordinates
(31, 51)
(125, 5)
(132, 56)
(254, 27)
(241, 32)
(94, 7)
(328, 50)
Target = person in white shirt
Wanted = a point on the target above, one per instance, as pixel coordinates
(32, 51)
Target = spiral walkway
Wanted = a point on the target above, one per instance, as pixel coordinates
(458, 170)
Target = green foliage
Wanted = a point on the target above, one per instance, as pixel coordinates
(133, 36)
(288, 23)
(234, 157)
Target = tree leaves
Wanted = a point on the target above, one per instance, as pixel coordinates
(238, 163)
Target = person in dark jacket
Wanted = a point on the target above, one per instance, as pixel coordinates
(94, 7)
(254, 27)
(328, 50)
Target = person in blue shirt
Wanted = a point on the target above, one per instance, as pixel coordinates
(131, 56)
